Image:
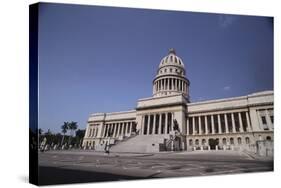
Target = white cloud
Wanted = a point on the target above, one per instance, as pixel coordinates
(226, 88)
(226, 20)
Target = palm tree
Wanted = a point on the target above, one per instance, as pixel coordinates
(64, 129)
(72, 126)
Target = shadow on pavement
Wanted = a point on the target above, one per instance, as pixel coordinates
(54, 175)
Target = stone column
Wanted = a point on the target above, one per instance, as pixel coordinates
(193, 124)
(154, 124)
(213, 124)
(142, 124)
(226, 123)
(148, 124)
(187, 126)
(105, 129)
(240, 123)
(166, 123)
(114, 130)
(173, 84)
(206, 125)
(131, 127)
(168, 84)
(160, 122)
(182, 85)
(199, 124)
(248, 122)
(219, 122)
(233, 123)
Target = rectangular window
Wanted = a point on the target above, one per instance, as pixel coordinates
(263, 119)
(264, 123)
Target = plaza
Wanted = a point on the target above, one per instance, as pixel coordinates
(66, 166)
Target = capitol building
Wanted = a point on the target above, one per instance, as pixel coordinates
(169, 121)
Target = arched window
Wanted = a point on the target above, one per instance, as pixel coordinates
(239, 140)
(196, 142)
(268, 138)
(171, 58)
(190, 142)
(165, 70)
(203, 141)
(224, 141)
(180, 62)
(217, 141)
(176, 60)
(171, 70)
(231, 141)
(247, 139)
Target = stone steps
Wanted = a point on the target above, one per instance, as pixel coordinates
(139, 144)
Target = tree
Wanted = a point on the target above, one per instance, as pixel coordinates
(72, 126)
(64, 129)
(79, 135)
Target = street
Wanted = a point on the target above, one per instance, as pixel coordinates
(58, 167)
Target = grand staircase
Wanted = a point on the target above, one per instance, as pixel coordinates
(138, 144)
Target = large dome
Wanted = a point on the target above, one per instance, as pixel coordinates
(170, 78)
(171, 59)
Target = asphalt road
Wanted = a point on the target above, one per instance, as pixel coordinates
(78, 166)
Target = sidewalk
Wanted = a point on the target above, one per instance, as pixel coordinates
(99, 153)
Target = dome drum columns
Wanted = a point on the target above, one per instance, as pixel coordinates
(170, 78)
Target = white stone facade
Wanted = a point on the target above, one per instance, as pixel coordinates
(168, 121)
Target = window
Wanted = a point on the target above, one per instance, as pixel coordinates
(268, 138)
(171, 70)
(247, 140)
(231, 141)
(196, 142)
(190, 142)
(263, 119)
(239, 141)
(203, 142)
(165, 70)
(224, 141)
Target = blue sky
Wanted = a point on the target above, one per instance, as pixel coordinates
(103, 59)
